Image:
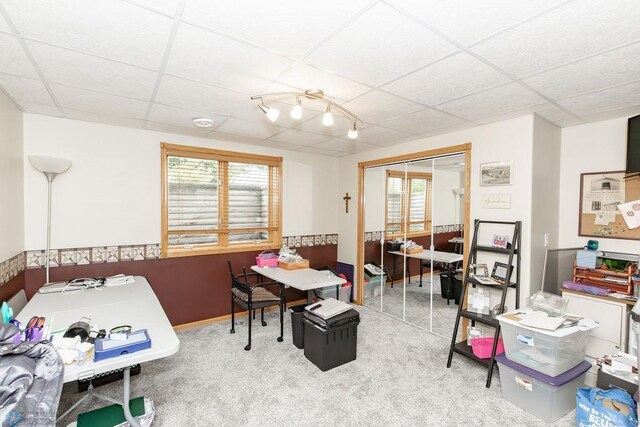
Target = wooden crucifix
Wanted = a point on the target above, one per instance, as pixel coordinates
(346, 199)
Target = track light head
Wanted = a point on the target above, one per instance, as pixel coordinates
(353, 132)
(272, 113)
(296, 111)
(327, 118)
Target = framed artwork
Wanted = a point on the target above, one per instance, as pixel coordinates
(496, 173)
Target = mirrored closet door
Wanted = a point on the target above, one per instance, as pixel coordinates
(413, 216)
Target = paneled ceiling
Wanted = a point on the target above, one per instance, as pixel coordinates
(408, 68)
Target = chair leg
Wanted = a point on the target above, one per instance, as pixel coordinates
(280, 339)
(248, 346)
(262, 317)
(233, 317)
(254, 315)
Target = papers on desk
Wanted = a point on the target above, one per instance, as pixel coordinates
(119, 279)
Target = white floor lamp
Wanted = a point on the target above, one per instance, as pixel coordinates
(50, 167)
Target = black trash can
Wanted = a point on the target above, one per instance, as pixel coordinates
(444, 284)
(457, 288)
(297, 325)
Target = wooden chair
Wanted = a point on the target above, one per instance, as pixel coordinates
(254, 296)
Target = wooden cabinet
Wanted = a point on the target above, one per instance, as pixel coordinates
(611, 314)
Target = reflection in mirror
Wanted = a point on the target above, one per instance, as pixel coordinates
(375, 270)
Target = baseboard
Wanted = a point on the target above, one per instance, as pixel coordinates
(228, 317)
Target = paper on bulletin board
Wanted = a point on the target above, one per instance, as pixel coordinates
(631, 213)
(602, 193)
(604, 218)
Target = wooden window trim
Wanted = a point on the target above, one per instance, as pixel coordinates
(407, 177)
(274, 227)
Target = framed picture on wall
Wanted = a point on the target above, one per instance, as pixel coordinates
(496, 173)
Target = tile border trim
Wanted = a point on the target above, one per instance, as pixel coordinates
(12, 267)
(123, 253)
(375, 236)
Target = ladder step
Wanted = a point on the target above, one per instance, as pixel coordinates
(481, 318)
(506, 251)
(497, 287)
(465, 350)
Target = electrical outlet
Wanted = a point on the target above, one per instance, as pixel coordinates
(546, 240)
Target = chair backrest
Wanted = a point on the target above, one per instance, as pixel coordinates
(236, 281)
(17, 302)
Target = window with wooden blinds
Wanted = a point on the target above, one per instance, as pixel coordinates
(219, 201)
(408, 204)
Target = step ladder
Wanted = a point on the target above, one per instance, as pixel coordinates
(513, 254)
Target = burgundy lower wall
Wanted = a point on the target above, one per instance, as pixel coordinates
(10, 288)
(441, 243)
(189, 288)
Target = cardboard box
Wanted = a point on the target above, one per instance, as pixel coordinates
(304, 263)
(413, 250)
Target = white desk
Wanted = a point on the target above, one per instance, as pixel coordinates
(305, 279)
(133, 304)
(448, 258)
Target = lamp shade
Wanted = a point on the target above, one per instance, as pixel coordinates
(46, 164)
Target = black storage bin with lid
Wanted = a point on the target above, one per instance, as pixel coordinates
(332, 346)
(297, 326)
(445, 284)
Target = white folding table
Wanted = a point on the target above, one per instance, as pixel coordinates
(448, 258)
(304, 279)
(132, 304)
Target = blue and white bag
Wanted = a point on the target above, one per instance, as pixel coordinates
(590, 411)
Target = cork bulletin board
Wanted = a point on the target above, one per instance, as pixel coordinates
(600, 195)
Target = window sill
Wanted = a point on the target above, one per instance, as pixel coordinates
(183, 252)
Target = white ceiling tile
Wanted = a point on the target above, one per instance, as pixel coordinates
(470, 20)
(347, 146)
(572, 121)
(450, 78)
(14, 60)
(377, 106)
(3, 25)
(622, 112)
(199, 96)
(22, 89)
(180, 117)
(43, 109)
(289, 27)
(454, 128)
(319, 149)
(280, 145)
(89, 72)
(111, 29)
(212, 58)
(547, 111)
(424, 121)
(491, 102)
(379, 46)
(253, 129)
(379, 135)
(605, 100)
(168, 6)
(597, 72)
(219, 136)
(180, 130)
(298, 137)
(103, 118)
(341, 125)
(334, 87)
(570, 32)
(101, 104)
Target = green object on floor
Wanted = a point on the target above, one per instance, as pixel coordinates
(110, 416)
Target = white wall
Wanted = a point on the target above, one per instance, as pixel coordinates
(11, 183)
(545, 195)
(506, 140)
(445, 203)
(111, 194)
(594, 147)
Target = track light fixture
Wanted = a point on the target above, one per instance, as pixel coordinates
(313, 95)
